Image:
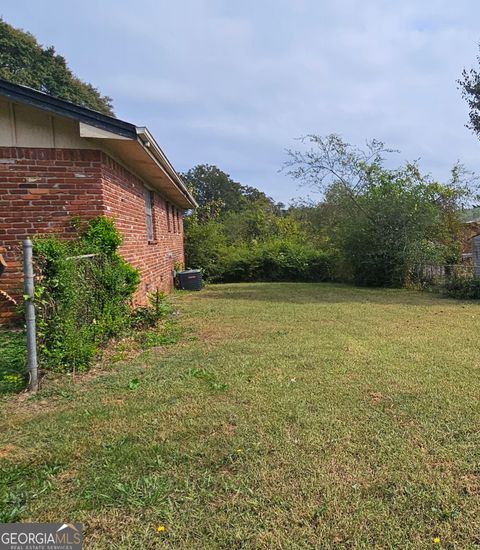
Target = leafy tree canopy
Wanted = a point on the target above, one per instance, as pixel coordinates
(236, 230)
(470, 86)
(217, 193)
(24, 61)
(383, 222)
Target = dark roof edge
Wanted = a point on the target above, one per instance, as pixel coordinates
(40, 100)
(29, 96)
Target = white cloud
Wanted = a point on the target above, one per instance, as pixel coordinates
(234, 83)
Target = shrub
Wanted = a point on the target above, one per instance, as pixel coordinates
(463, 288)
(101, 236)
(275, 261)
(147, 316)
(383, 221)
(13, 374)
(82, 302)
(203, 246)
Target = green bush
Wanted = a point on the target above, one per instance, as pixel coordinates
(147, 316)
(275, 261)
(463, 288)
(82, 302)
(101, 236)
(203, 246)
(13, 375)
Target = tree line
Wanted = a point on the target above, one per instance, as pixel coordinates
(373, 225)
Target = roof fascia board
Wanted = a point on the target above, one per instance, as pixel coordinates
(88, 131)
(153, 149)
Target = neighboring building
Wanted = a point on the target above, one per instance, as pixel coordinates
(471, 222)
(59, 160)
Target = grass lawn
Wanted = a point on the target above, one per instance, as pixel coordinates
(288, 416)
(13, 354)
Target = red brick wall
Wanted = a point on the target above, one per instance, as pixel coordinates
(42, 189)
(123, 198)
(471, 230)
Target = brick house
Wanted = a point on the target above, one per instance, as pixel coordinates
(59, 160)
(471, 226)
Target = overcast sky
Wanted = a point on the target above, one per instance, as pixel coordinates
(233, 83)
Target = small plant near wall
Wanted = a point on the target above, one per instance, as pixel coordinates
(13, 375)
(84, 296)
(146, 316)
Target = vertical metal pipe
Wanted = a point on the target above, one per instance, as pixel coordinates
(30, 315)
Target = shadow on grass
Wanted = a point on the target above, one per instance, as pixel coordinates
(311, 293)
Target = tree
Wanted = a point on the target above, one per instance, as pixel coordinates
(383, 221)
(204, 244)
(238, 233)
(470, 87)
(211, 186)
(405, 227)
(24, 61)
(331, 160)
(217, 193)
(245, 213)
(315, 219)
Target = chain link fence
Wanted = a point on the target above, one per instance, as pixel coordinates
(440, 274)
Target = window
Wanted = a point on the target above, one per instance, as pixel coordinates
(149, 202)
(178, 221)
(174, 219)
(169, 223)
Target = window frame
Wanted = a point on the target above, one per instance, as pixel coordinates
(174, 219)
(149, 204)
(178, 221)
(169, 221)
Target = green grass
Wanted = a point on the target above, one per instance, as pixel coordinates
(12, 361)
(287, 416)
